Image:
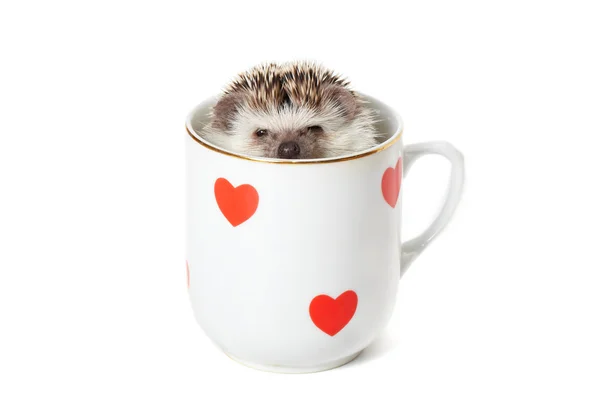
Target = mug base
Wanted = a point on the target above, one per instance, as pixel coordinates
(282, 369)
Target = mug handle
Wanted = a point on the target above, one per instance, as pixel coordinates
(413, 247)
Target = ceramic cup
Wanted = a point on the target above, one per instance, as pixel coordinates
(293, 265)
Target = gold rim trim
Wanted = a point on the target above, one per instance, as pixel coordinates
(383, 147)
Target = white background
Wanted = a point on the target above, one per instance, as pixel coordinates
(93, 96)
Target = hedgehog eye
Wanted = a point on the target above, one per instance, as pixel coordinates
(260, 132)
(315, 129)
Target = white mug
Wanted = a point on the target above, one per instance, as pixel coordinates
(293, 265)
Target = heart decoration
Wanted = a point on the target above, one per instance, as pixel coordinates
(187, 270)
(390, 184)
(237, 204)
(332, 315)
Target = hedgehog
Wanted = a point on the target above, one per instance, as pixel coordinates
(295, 110)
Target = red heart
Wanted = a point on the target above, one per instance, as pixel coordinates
(236, 203)
(187, 271)
(390, 184)
(331, 315)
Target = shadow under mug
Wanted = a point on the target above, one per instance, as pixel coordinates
(293, 265)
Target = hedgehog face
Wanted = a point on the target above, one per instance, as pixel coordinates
(287, 132)
(290, 144)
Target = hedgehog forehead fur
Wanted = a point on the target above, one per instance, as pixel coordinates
(300, 84)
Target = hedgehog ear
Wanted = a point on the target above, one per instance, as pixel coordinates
(225, 110)
(343, 98)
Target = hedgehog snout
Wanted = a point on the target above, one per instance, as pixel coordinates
(289, 149)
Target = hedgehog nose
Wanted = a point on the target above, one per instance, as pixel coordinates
(289, 150)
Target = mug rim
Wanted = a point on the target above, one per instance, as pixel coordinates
(377, 104)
